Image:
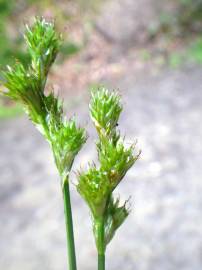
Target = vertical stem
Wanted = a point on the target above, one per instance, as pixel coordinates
(101, 244)
(101, 262)
(69, 225)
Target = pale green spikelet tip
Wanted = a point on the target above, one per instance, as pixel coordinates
(105, 108)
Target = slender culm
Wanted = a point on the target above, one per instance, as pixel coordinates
(69, 226)
(97, 185)
(26, 85)
(101, 244)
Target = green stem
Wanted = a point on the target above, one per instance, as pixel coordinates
(69, 225)
(101, 261)
(101, 244)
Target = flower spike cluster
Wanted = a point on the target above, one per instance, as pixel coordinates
(43, 45)
(105, 109)
(96, 185)
(27, 84)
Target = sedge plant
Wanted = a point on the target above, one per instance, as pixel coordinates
(26, 85)
(97, 184)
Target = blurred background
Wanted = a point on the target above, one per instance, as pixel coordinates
(151, 51)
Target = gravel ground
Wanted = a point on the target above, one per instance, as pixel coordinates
(164, 230)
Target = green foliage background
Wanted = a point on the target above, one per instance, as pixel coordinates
(11, 37)
(187, 23)
(190, 12)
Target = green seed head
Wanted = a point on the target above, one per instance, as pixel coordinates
(26, 85)
(105, 109)
(67, 140)
(116, 214)
(115, 159)
(94, 187)
(43, 45)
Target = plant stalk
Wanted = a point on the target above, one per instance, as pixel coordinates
(101, 244)
(69, 226)
(101, 261)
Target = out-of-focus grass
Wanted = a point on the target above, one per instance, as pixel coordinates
(175, 60)
(10, 111)
(89, 5)
(195, 51)
(11, 42)
(191, 54)
(190, 13)
(145, 54)
(70, 48)
(10, 48)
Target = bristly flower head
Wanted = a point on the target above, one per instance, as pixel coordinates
(96, 185)
(23, 86)
(43, 45)
(67, 141)
(105, 109)
(115, 216)
(26, 85)
(116, 159)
